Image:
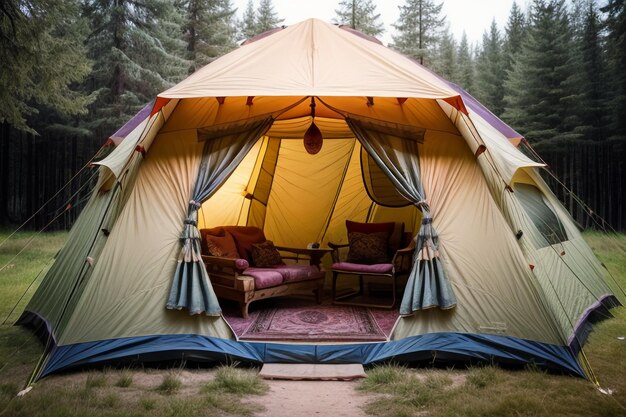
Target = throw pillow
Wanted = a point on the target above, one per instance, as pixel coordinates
(265, 255)
(222, 246)
(367, 248)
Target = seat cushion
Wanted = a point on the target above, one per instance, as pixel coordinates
(366, 269)
(245, 237)
(264, 277)
(292, 273)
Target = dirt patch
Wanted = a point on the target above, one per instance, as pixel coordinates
(312, 398)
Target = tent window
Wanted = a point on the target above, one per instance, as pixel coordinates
(541, 213)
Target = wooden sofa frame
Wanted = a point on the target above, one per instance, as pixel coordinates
(230, 281)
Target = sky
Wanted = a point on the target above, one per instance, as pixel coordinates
(471, 16)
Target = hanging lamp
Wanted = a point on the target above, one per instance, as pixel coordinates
(313, 136)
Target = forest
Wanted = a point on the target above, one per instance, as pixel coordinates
(74, 71)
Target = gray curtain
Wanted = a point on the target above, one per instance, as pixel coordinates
(191, 288)
(395, 151)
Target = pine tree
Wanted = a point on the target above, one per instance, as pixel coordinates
(208, 30)
(592, 75)
(419, 29)
(445, 62)
(616, 48)
(360, 15)
(541, 87)
(465, 64)
(490, 73)
(42, 56)
(267, 18)
(132, 63)
(515, 32)
(247, 24)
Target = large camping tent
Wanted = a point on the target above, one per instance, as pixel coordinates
(225, 146)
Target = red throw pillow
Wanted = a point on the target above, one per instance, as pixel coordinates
(265, 255)
(222, 246)
(367, 248)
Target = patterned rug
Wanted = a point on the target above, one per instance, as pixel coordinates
(320, 323)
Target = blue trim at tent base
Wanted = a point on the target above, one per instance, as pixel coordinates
(428, 348)
(452, 346)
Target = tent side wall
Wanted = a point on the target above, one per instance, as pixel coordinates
(570, 278)
(128, 289)
(54, 301)
(495, 290)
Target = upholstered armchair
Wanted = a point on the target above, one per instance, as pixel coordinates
(374, 250)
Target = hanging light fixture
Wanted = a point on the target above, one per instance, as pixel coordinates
(313, 136)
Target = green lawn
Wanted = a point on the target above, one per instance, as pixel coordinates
(398, 391)
(491, 391)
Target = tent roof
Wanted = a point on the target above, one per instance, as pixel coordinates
(292, 62)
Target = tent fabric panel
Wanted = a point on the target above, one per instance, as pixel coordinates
(477, 132)
(570, 275)
(352, 201)
(142, 135)
(293, 62)
(118, 158)
(128, 288)
(64, 275)
(260, 190)
(304, 190)
(330, 112)
(495, 289)
(231, 194)
(544, 218)
(447, 346)
(378, 185)
(508, 157)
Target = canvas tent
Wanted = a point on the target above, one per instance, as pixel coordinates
(225, 146)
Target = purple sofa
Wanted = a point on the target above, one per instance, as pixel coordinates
(235, 277)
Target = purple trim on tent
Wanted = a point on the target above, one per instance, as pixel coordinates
(606, 301)
(130, 125)
(476, 107)
(39, 325)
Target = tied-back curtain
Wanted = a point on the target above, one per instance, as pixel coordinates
(191, 288)
(396, 154)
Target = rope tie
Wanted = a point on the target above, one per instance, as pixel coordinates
(191, 222)
(422, 204)
(195, 204)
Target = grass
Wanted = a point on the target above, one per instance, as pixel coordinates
(170, 384)
(397, 391)
(108, 392)
(232, 380)
(17, 273)
(491, 391)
